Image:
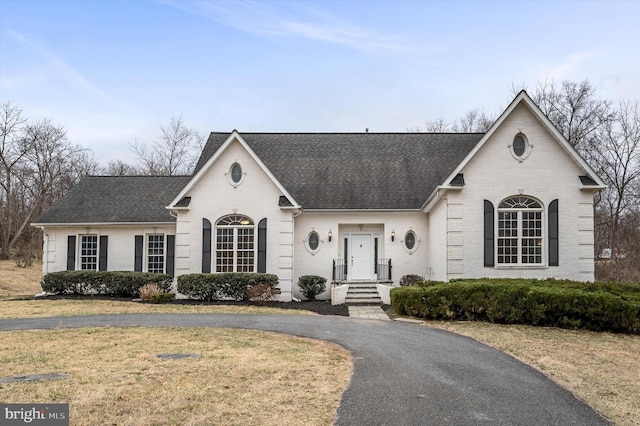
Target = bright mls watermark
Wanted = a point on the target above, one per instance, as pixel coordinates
(35, 414)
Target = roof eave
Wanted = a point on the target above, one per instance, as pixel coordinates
(437, 196)
(360, 210)
(43, 224)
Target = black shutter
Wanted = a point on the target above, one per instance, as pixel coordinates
(104, 245)
(171, 245)
(71, 252)
(489, 234)
(137, 263)
(206, 246)
(554, 255)
(262, 245)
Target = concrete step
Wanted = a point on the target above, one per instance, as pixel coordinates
(362, 290)
(370, 301)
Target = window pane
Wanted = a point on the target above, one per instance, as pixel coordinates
(410, 240)
(155, 254)
(89, 252)
(314, 240)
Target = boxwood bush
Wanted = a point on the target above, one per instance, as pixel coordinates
(110, 283)
(223, 286)
(592, 306)
(312, 285)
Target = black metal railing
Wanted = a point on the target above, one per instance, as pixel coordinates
(382, 268)
(339, 270)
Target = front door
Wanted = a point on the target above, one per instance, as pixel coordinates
(361, 257)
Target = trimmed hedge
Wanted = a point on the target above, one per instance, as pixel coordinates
(110, 283)
(598, 307)
(224, 286)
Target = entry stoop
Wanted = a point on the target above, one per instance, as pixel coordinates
(363, 293)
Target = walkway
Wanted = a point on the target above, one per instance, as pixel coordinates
(368, 312)
(403, 373)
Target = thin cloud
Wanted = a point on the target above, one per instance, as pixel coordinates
(265, 20)
(567, 67)
(66, 71)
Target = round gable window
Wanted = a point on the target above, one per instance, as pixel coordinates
(236, 173)
(520, 148)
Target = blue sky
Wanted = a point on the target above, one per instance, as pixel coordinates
(112, 72)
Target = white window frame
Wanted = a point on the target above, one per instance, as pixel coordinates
(519, 211)
(237, 224)
(148, 256)
(81, 256)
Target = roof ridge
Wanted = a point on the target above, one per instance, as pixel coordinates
(350, 133)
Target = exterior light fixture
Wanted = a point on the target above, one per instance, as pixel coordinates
(393, 235)
(330, 235)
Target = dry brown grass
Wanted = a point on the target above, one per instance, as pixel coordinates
(66, 307)
(603, 369)
(241, 377)
(17, 282)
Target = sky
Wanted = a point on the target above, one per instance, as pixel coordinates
(113, 72)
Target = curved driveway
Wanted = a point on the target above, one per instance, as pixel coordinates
(404, 374)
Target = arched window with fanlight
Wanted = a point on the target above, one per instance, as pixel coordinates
(235, 244)
(520, 231)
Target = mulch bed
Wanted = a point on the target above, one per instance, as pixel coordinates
(321, 307)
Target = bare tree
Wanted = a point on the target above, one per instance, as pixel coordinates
(575, 110)
(119, 168)
(474, 121)
(12, 152)
(175, 152)
(39, 165)
(615, 154)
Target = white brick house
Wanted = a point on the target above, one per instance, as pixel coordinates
(516, 201)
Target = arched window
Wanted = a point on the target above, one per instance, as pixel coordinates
(520, 231)
(235, 244)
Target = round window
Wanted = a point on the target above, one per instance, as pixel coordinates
(314, 240)
(410, 240)
(236, 173)
(519, 145)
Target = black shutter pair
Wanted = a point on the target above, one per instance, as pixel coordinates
(206, 245)
(170, 254)
(489, 234)
(102, 255)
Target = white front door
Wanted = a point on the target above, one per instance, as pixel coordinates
(361, 257)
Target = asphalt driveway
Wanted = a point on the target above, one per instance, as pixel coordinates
(404, 374)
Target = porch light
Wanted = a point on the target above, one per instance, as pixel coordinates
(393, 235)
(330, 235)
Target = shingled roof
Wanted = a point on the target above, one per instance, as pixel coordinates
(356, 170)
(116, 199)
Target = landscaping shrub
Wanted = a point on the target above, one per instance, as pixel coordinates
(261, 293)
(148, 290)
(224, 286)
(161, 298)
(410, 279)
(312, 285)
(612, 306)
(109, 283)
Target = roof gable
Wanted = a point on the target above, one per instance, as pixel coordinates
(215, 149)
(521, 98)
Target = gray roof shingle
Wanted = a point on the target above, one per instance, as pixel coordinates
(356, 170)
(320, 170)
(116, 199)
